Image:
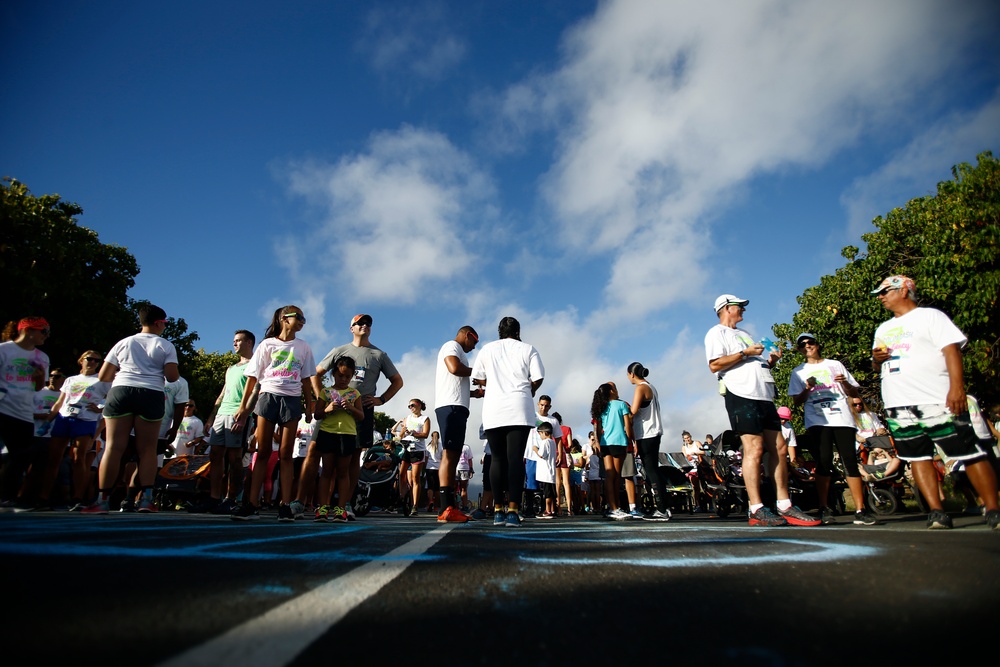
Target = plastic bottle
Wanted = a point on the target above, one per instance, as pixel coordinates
(769, 345)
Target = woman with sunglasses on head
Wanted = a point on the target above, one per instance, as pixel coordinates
(282, 365)
(824, 388)
(76, 414)
(23, 369)
(416, 427)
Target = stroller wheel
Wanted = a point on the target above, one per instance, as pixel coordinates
(883, 502)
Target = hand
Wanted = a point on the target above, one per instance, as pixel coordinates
(881, 355)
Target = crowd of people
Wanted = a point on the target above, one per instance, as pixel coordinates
(99, 437)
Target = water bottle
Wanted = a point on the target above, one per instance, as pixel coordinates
(769, 345)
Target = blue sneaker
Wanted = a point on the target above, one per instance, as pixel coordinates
(499, 518)
(513, 520)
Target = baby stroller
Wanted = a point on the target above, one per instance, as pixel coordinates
(377, 488)
(678, 491)
(182, 481)
(721, 473)
(884, 493)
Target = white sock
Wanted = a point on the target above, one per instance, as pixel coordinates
(784, 504)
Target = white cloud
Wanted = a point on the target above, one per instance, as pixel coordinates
(415, 39)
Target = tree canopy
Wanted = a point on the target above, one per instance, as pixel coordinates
(949, 244)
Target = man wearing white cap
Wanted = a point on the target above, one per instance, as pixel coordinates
(919, 354)
(745, 378)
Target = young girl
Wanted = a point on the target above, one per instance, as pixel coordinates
(613, 428)
(282, 365)
(23, 370)
(340, 409)
(432, 470)
(77, 413)
(416, 428)
(595, 475)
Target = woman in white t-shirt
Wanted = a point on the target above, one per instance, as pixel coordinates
(413, 435)
(76, 414)
(823, 387)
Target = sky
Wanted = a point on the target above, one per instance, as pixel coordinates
(601, 171)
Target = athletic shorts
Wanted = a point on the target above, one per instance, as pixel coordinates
(73, 427)
(749, 416)
(628, 465)
(529, 474)
(452, 420)
(576, 477)
(338, 444)
(917, 428)
(614, 451)
(548, 489)
(279, 409)
(146, 404)
(223, 435)
(416, 456)
(463, 475)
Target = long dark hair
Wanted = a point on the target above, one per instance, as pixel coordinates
(602, 396)
(275, 328)
(638, 370)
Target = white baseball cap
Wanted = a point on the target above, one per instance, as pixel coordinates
(729, 300)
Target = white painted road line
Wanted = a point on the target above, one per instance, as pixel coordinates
(281, 634)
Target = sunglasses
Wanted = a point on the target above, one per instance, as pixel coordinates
(474, 337)
(412, 405)
(807, 342)
(56, 377)
(299, 316)
(361, 324)
(886, 290)
(93, 359)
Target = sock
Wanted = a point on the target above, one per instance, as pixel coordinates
(754, 508)
(631, 507)
(784, 504)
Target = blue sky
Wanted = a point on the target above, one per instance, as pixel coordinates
(599, 170)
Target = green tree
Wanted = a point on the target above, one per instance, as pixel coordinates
(206, 375)
(383, 422)
(949, 244)
(52, 267)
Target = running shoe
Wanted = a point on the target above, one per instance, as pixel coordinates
(298, 509)
(826, 516)
(635, 514)
(499, 518)
(657, 515)
(77, 507)
(546, 515)
(349, 512)
(147, 506)
(864, 518)
(513, 520)
(478, 515)
(128, 505)
(936, 519)
(322, 514)
(452, 515)
(414, 511)
(620, 515)
(993, 519)
(765, 517)
(338, 515)
(285, 513)
(245, 512)
(99, 507)
(796, 517)
(226, 506)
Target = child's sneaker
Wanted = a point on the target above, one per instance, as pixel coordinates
(339, 515)
(147, 505)
(245, 512)
(322, 513)
(99, 507)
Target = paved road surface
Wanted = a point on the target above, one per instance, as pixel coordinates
(179, 589)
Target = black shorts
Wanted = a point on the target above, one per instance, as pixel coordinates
(452, 420)
(146, 404)
(749, 416)
(414, 457)
(548, 489)
(338, 444)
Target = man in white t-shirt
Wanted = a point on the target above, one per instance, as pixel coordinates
(190, 432)
(452, 393)
(919, 355)
(743, 366)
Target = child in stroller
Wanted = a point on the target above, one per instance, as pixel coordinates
(378, 482)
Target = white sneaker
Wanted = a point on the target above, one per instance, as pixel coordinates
(349, 511)
(657, 515)
(620, 515)
(298, 509)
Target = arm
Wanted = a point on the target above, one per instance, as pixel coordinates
(395, 384)
(956, 400)
(51, 414)
(534, 385)
(638, 398)
(171, 372)
(215, 407)
(249, 392)
(107, 372)
(728, 361)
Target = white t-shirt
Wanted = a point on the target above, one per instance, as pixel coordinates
(17, 383)
(450, 389)
(173, 393)
(81, 391)
(916, 373)
(465, 460)
(534, 438)
(545, 452)
(190, 429)
(280, 366)
(140, 360)
(433, 461)
(751, 378)
(411, 442)
(509, 367)
(44, 400)
(303, 434)
(826, 404)
(789, 434)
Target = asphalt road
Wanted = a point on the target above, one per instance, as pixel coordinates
(180, 589)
